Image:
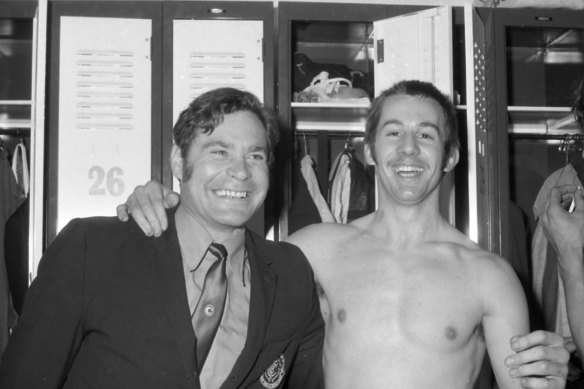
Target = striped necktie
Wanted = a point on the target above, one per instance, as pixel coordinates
(209, 310)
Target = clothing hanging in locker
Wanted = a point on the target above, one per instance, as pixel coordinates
(547, 284)
(20, 168)
(10, 199)
(17, 231)
(308, 205)
(340, 185)
(351, 186)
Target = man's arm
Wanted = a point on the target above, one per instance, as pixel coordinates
(312, 240)
(48, 334)
(147, 206)
(541, 358)
(306, 371)
(505, 314)
(565, 231)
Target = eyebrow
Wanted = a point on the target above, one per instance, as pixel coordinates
(430, 124)
(223, 144)
(421, 124)
(260, 148)
(391, 121)
(214, 144)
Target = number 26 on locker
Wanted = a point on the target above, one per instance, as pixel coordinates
(106, 182)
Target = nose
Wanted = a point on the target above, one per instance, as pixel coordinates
(239, 169)
(409, 144)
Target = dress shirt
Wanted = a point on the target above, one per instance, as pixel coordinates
(194, 240)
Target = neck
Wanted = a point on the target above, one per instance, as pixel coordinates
(185, 220)
(408, 225)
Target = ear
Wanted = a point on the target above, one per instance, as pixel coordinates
(368, 157)
(176, 162)
(452, 160)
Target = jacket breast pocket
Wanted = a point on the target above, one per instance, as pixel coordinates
(274, 363)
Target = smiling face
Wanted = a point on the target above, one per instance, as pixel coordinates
(409, 148)
(228, 169)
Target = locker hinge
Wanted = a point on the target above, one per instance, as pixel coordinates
(380, 54)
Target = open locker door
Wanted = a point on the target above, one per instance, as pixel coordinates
(415, 46)
(418, 46)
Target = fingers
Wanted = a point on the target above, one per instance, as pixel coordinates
(142, 204)
(147, 206)
(566, 189)
(536, 338)
(171, 199)
(122, 212)
(579, 199)
(544, 355)
(561, 195)
(533, 363)
(541, 360)
(541, 374)
(542, 383)
(569, 345)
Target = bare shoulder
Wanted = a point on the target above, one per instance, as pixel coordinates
(487, 265)
(321, 234)
(491, 265)
(492, 273)
(322, 242)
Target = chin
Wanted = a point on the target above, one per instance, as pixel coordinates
(235, 219)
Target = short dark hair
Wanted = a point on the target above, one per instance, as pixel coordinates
(206, 112)
(423, 90)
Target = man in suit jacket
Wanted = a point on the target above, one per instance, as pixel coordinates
(111, 308)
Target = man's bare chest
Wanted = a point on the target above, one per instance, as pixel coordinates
(426, 304)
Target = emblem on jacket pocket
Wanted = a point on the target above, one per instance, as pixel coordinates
(273, 376)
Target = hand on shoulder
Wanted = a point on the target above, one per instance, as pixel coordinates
(147, 205)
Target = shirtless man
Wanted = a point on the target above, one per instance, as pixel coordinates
(408, 301)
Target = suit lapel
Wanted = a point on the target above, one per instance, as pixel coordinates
(167, 264)
(263, 291)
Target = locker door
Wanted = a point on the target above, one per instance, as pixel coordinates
(104, 146)
(418, 46)
(227, 59)
(208, 45)
(207, 54)
(415, 46)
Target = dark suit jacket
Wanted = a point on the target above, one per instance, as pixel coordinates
(109, 309)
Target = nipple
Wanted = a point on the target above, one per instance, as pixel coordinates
(450, 333)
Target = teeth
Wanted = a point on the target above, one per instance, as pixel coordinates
(409, 169)
(231, 194)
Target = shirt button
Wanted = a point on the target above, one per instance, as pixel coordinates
(209, 310)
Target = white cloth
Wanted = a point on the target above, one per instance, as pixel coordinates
(20, 168)
(307, 169)
(341, 187)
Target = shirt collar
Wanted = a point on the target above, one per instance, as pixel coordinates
(195, 239)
